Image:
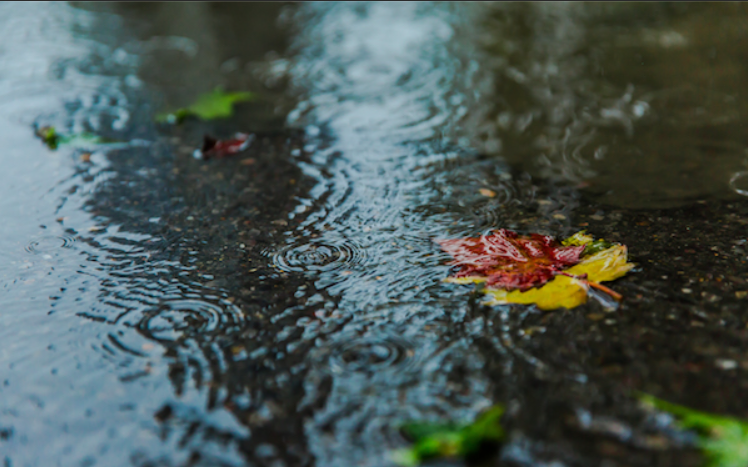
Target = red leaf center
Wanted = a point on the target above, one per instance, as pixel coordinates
(511, 261)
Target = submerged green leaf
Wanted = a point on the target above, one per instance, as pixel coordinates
(420, 430)
(210, 106)
(723, 440)
(85, 139)
(432, 440)
(50, 137)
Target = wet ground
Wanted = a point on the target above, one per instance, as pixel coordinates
(284, 307)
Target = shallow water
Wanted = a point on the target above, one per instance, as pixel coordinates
(285, 307)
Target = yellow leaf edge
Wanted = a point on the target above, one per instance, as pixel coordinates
(568, 292)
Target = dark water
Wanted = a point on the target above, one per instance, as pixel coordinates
(285, 307)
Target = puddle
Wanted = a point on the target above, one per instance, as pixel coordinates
(285, 305)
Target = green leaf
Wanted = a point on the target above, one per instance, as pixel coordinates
(592, 246)
(723, 440)
(50, 137)
(405, 457)
(486, 428)
(419, 430)
(210, 106)
(85, 139)
(433, 440)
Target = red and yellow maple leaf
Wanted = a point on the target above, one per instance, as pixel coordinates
(537, 269)
(510, 261)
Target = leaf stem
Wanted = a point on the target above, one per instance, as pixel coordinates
(618, 297)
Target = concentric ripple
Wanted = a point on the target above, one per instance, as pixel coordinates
(49, 243)
(175, 319)
(320, 256)
(353, 353)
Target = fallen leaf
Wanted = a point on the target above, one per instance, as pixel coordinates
(434, 440)
(569, 292)
(221, 148)
(723, 440)
(210, 106)
(50, 137)
(510, 261)
(536, 269)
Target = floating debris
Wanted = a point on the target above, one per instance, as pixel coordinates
(50, 137)
(215, 148)
(210, 106)
(723, 440)
(435, 440)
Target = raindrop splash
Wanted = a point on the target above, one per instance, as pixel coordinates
(178, 319)
(320, 256)
(49, 243)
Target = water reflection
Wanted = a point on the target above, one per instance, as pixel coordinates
(641, 111)
(332, 256)
(106, 319)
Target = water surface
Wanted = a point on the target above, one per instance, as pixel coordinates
(285, 307)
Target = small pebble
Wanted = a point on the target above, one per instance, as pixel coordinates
(726, 364)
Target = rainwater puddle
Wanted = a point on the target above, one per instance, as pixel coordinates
(285, 306)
